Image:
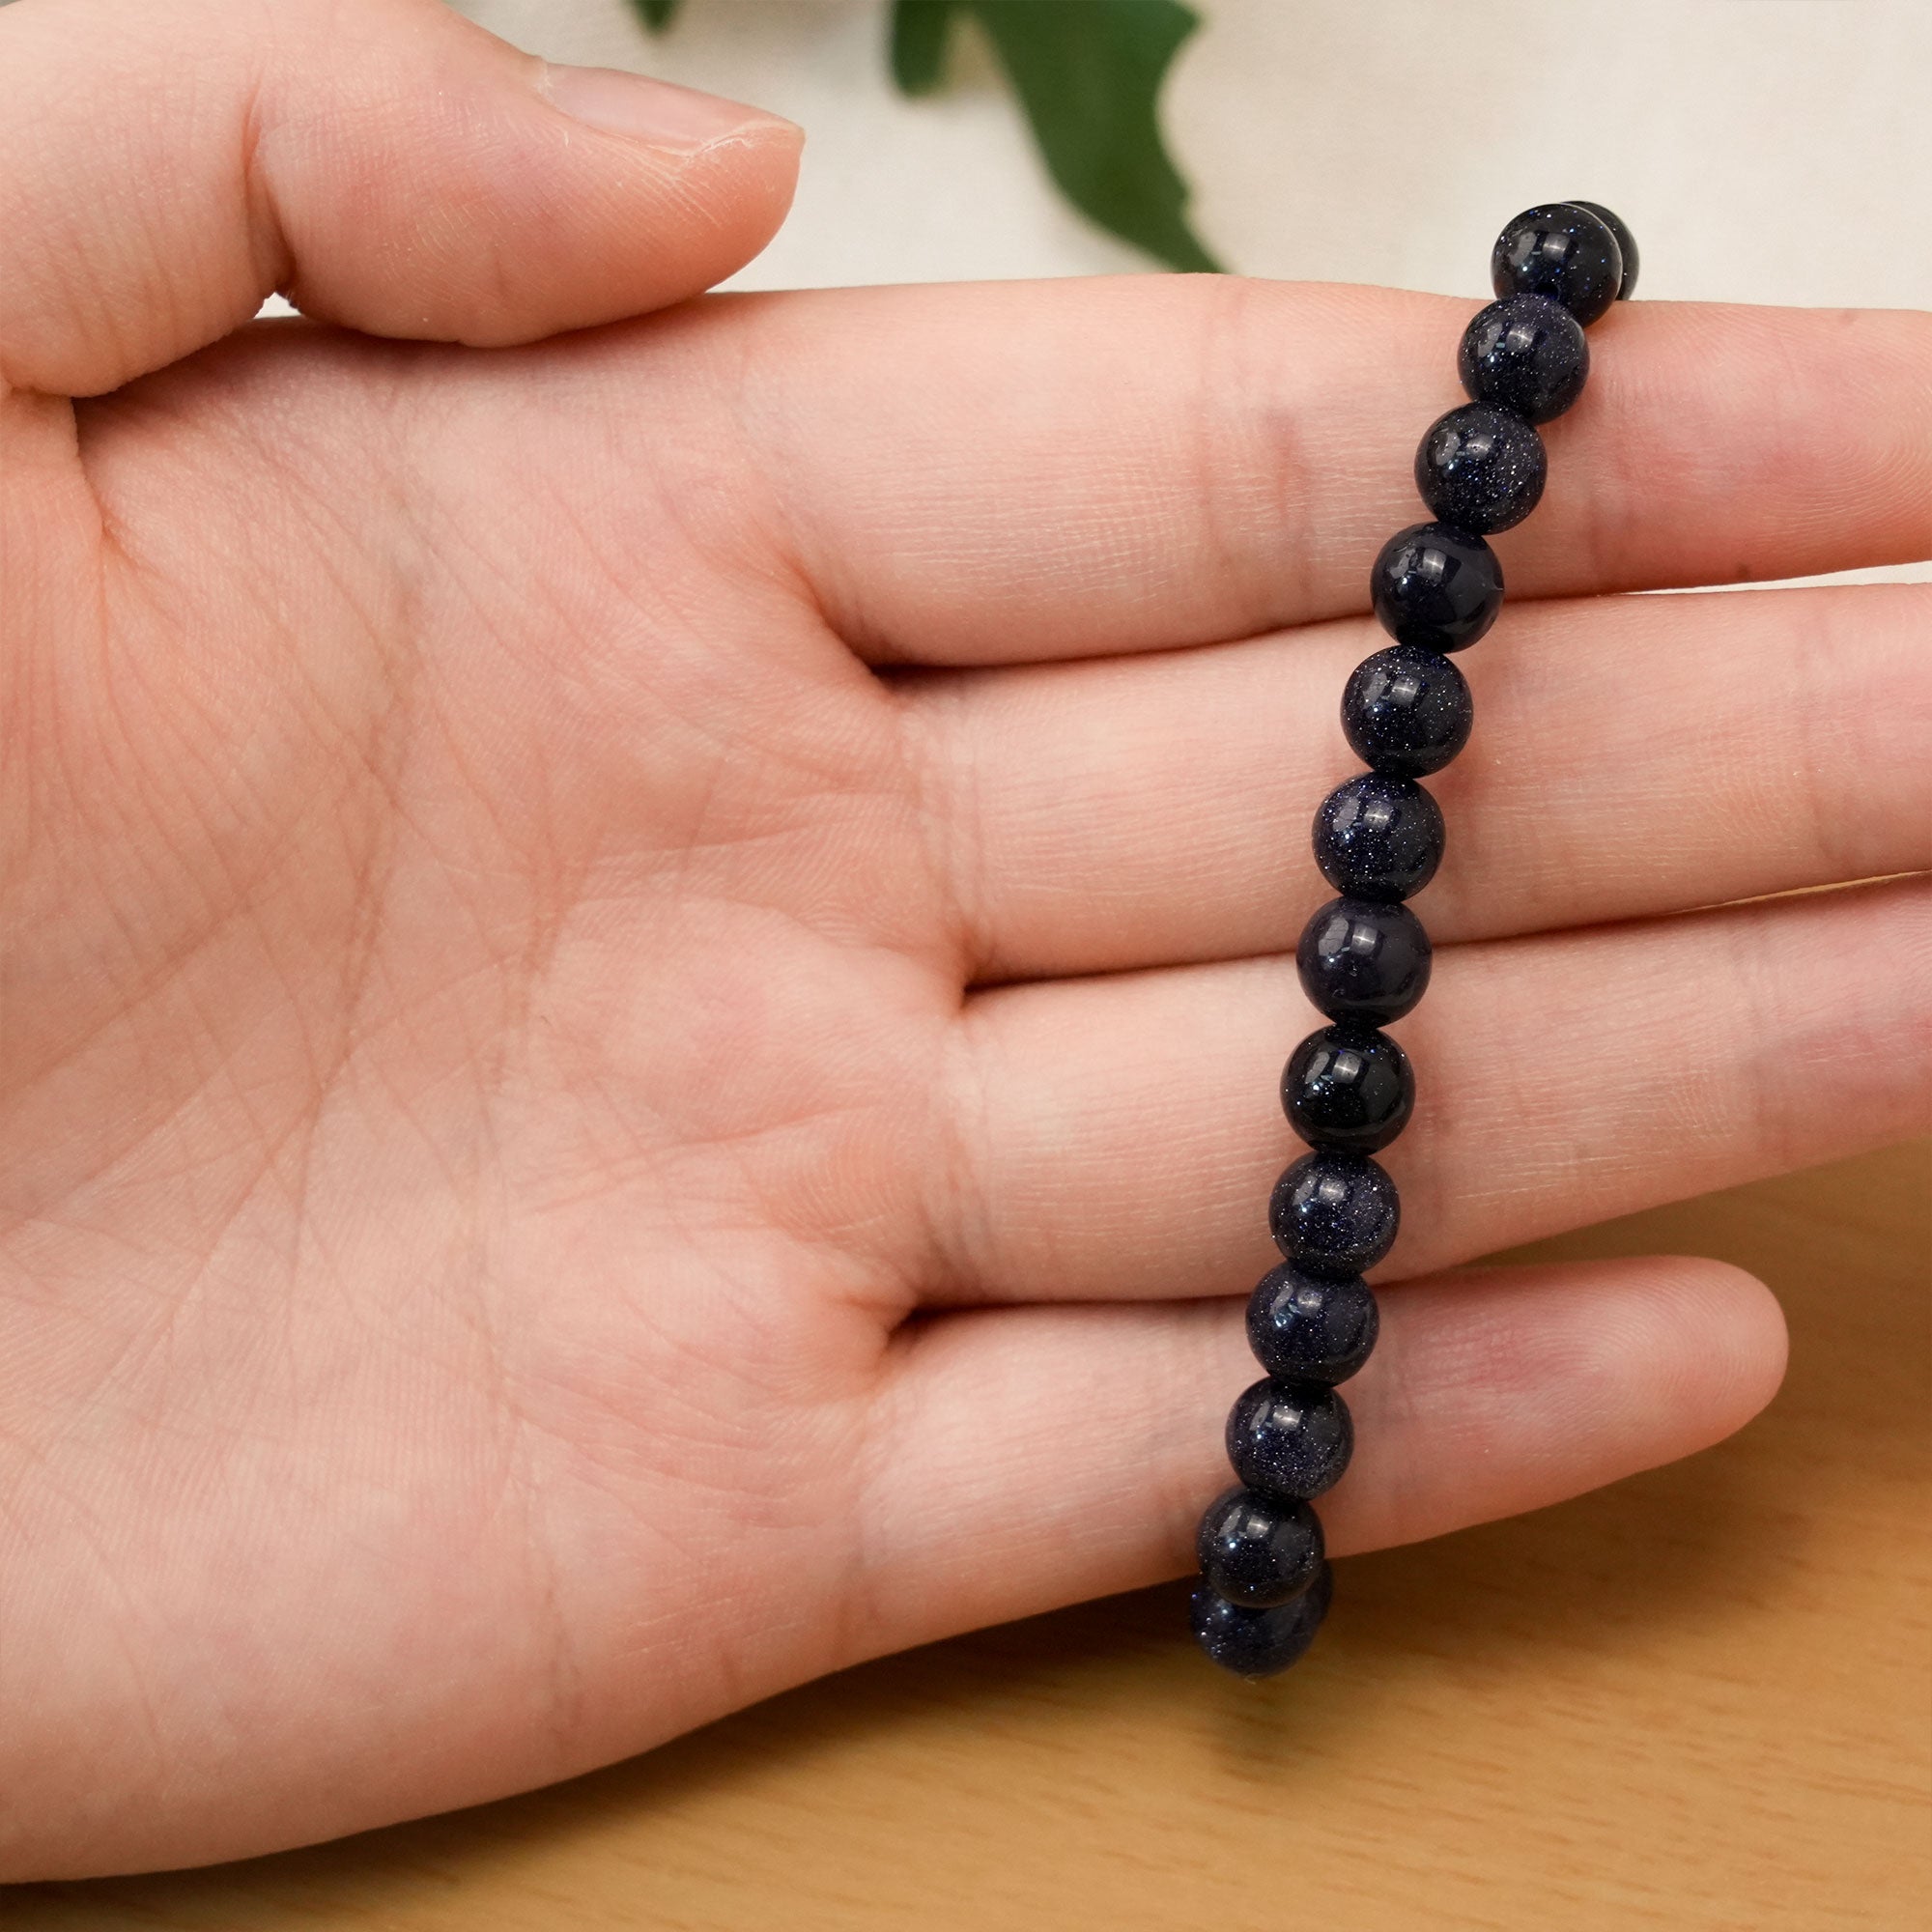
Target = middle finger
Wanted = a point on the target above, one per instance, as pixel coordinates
(1632, 755)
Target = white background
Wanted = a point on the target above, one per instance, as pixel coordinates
(1761, 150)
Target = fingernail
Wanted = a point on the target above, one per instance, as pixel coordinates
(643, 109)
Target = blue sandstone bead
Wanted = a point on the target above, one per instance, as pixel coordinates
(1361, 960)
(1481, 468)
(1563, 250)
(1334, 1214)
(1527, 354)
(1347, 1086)
(1626, 244)
(1258, 1550)
(1259, 1643)
(1378, 837)
(1436, 587)
(1303, 1329)
(1290, 1439)
(1407, 710)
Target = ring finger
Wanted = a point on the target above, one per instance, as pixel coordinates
(1113, 1138)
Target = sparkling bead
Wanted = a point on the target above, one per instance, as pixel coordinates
(1349, 1087)
(1407, 710)
(1562, 250)
(1361, 960)
(1305, 1330)
(1626, 244)
(1481, 468)
(1527, 354)
(1436, 587)
(1257, 1643)
(1257, 1549)
(1378, 837)
(1334, 1214)
(1290, 1439)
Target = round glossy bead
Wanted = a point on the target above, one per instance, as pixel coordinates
(1349, 1087)
(1436, 587)
(1258, 1550)
(1626, 244)
(1407, 710)
(1363, 960)
(1334, 1214)
(1257, 1643)
(1481, 468)
(1290, 1439)
(1378, 837)
(1527, 354)
(1303, 1329)
(1562, 250)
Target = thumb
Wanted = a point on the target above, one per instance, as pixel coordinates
(383, 162)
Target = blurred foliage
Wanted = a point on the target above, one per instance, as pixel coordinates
(1088, 74)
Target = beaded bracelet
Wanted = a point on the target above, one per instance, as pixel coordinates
(1364, 957)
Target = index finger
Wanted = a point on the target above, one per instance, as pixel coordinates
(1014, 472)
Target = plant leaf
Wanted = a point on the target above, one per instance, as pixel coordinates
(656, 13)
(1088, 74)
(919, 29)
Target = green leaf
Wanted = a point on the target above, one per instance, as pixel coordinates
(1088, 74)
(918, 45)
(656, 13)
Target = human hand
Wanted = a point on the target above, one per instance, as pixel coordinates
(643, 974)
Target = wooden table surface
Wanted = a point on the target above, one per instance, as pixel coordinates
(1701, 1699)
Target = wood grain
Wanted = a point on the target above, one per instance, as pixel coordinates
(1701, 1700)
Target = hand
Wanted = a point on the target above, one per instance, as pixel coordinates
(643, 974)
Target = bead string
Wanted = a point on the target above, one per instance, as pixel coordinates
(1364, 957)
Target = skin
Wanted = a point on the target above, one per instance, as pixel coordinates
(643, 967)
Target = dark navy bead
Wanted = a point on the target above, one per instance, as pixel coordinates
(1290, 1439)
(1258, 1550)
(1407, 710)
(1378, 837)
(1334, 1214)
(1626, 244)
(1361, 960)
(1436, 587)
(1526, 354)
(1257, 1643)
(1562, 250)
(1349, 1086)
(1303, 1329)
(1481, 468)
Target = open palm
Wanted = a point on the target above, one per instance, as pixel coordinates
(643, 974)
